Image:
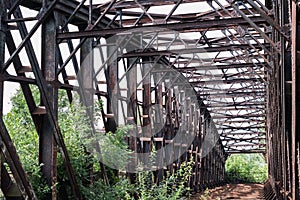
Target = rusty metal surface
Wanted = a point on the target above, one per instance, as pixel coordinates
(246, 90)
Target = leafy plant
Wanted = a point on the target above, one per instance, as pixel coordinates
(79, 138)
(246, 168)
(206, 195)
(25, 138)
(172, 187)
(114, 148)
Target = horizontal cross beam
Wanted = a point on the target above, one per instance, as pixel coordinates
(187, 26)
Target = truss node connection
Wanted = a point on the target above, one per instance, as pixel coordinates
(196, 79)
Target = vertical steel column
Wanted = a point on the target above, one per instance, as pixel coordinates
(201, 164)
(219, 166)
(283, 86)
(85, 78)
(214, 170)
(112, 87)
(188, 117)
(86, 75)
(223, 165)
(218, 161)
(198, 151)
(168, 130)
(209, 169)
(184, 126)
(147, 146)
(195, 146)
(158, 124)
(132, 114)
(47, 146)
(177, 144)
(209, 156)
(2, 57)
(295, 101)
(205, 157)
(3, 30)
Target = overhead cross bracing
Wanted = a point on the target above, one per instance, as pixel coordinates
(212, 65)
(234, 53)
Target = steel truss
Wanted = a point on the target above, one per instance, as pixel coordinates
(224, 70)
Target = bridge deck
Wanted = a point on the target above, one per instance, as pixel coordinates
(234, 191)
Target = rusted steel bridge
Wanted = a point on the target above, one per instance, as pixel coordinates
(222, 72)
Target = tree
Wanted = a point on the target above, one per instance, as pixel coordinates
(74, 125)
(75, 128)
(246, 168)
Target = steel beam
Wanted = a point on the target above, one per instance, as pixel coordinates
(146, 122)
(246, 151)
(112, 88)
(132, 116)
(228, 81)
(182, 52)
(41, 82)
(145, 3)
(3, 29)
(216, 66)
(8, 152)
(240, 127)
(175, 17)
(43, 16)
(188, 26)
(295, 101)
(11, 156)
(47, 144)
(232, 94)
(248, 53)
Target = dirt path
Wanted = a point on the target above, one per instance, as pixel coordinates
(234, 191)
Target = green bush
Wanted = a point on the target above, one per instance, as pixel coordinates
(171, 188)
(246, 168)
(25, 138)
(75, 127)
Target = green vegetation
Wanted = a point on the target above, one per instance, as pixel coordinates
(171, 188)
(246, 168)
(206, 195)
(76, 132)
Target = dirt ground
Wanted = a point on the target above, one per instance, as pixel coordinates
(233, 191)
